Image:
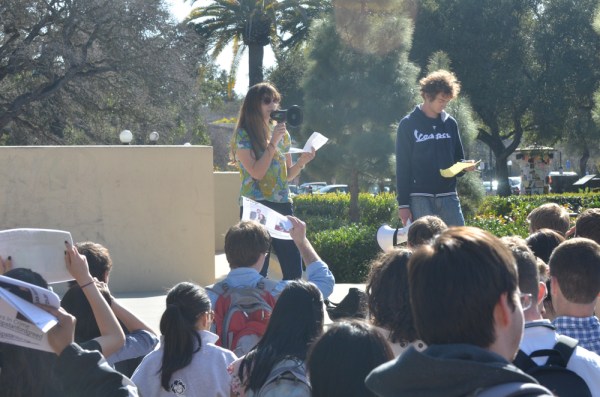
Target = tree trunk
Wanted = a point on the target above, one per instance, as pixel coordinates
(585, 156)
(255, 63)
(354, 213)
(502, 176)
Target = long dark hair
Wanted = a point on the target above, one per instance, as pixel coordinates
(340, 360)
(250, 118)
(185, 303)
(27, 372)
(296, 321)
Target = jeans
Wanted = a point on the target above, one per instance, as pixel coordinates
(286, 250)
(445, 207)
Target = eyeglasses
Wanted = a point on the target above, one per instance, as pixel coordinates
(267, 100)
(526, 300)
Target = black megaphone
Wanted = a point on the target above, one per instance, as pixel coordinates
(293, 116)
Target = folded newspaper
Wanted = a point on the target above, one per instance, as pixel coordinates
(22, 323)
(41, 250)
(316, 141)
(278, 225)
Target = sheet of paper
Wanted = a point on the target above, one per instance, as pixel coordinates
(16, 330)
(41, 250)
(457, 168)
(278, 225)
(316, 140)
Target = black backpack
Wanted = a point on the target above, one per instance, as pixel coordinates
(554, 373)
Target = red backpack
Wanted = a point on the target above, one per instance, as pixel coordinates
(242, 314)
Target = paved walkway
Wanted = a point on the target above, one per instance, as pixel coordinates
(150, 305)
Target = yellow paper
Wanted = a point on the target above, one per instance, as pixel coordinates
(457, 168)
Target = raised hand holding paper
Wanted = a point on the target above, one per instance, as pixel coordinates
(316, 141)
(277, 225)
(41, 250)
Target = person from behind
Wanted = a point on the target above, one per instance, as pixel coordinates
(297, 320)
(539, 332)
(389, 300)
(30, 372)
(424, 230)
(246, 245)
(588, 226)
(339, 361)
(187, 361)
(467, 308)
(543, 242)
(140, 338)
(575, 285)
(549, 216)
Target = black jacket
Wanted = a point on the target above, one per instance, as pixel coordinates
(424, 146)
(451, 370)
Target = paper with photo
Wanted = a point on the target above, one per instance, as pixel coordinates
(316, 141)
(458, 168)
(278, 225)
(21, 322)
(41, 250)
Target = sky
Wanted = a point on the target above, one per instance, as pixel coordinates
(180, 9)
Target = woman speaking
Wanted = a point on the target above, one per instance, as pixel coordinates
(260, 148)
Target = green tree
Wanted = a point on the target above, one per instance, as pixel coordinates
(253, 24)
(353, 98)
(489, 44)
(567, 52)
(81, 71)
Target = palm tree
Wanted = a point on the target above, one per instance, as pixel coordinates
(253, 24)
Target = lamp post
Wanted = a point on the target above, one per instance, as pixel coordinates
(125, 136)
(153, 137)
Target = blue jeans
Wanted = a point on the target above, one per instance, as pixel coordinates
(286, 250)
(445, 207)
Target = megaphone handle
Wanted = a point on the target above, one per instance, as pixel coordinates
(395, 239)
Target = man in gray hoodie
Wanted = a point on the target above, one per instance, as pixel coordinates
(467, 308)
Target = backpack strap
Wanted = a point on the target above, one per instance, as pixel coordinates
(513, 389)
(267, 284)
(565, 346)
(523, 361)
(295, 367)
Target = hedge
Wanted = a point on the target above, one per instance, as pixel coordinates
(348, 248)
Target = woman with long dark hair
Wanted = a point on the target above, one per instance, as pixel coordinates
(296, 321)
(260, 147)
(187, 362)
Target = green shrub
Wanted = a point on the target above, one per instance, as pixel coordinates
(348, 251)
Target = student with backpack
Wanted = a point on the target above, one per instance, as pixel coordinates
(554, 360)
(243, 301)
(276, 366)
(187, 363)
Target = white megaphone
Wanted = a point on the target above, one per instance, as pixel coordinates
(388, 237)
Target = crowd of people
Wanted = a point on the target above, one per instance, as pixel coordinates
(455, 312)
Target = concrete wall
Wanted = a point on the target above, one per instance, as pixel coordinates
(227, 207)
(152, 206)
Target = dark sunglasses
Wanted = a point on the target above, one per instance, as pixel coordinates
(268, 100)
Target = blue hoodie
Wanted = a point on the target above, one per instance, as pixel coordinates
(424, 146)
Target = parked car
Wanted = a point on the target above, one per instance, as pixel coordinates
(515, 184)
(293, 190)
(304, 188)
(490, 187)
(333, 189)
